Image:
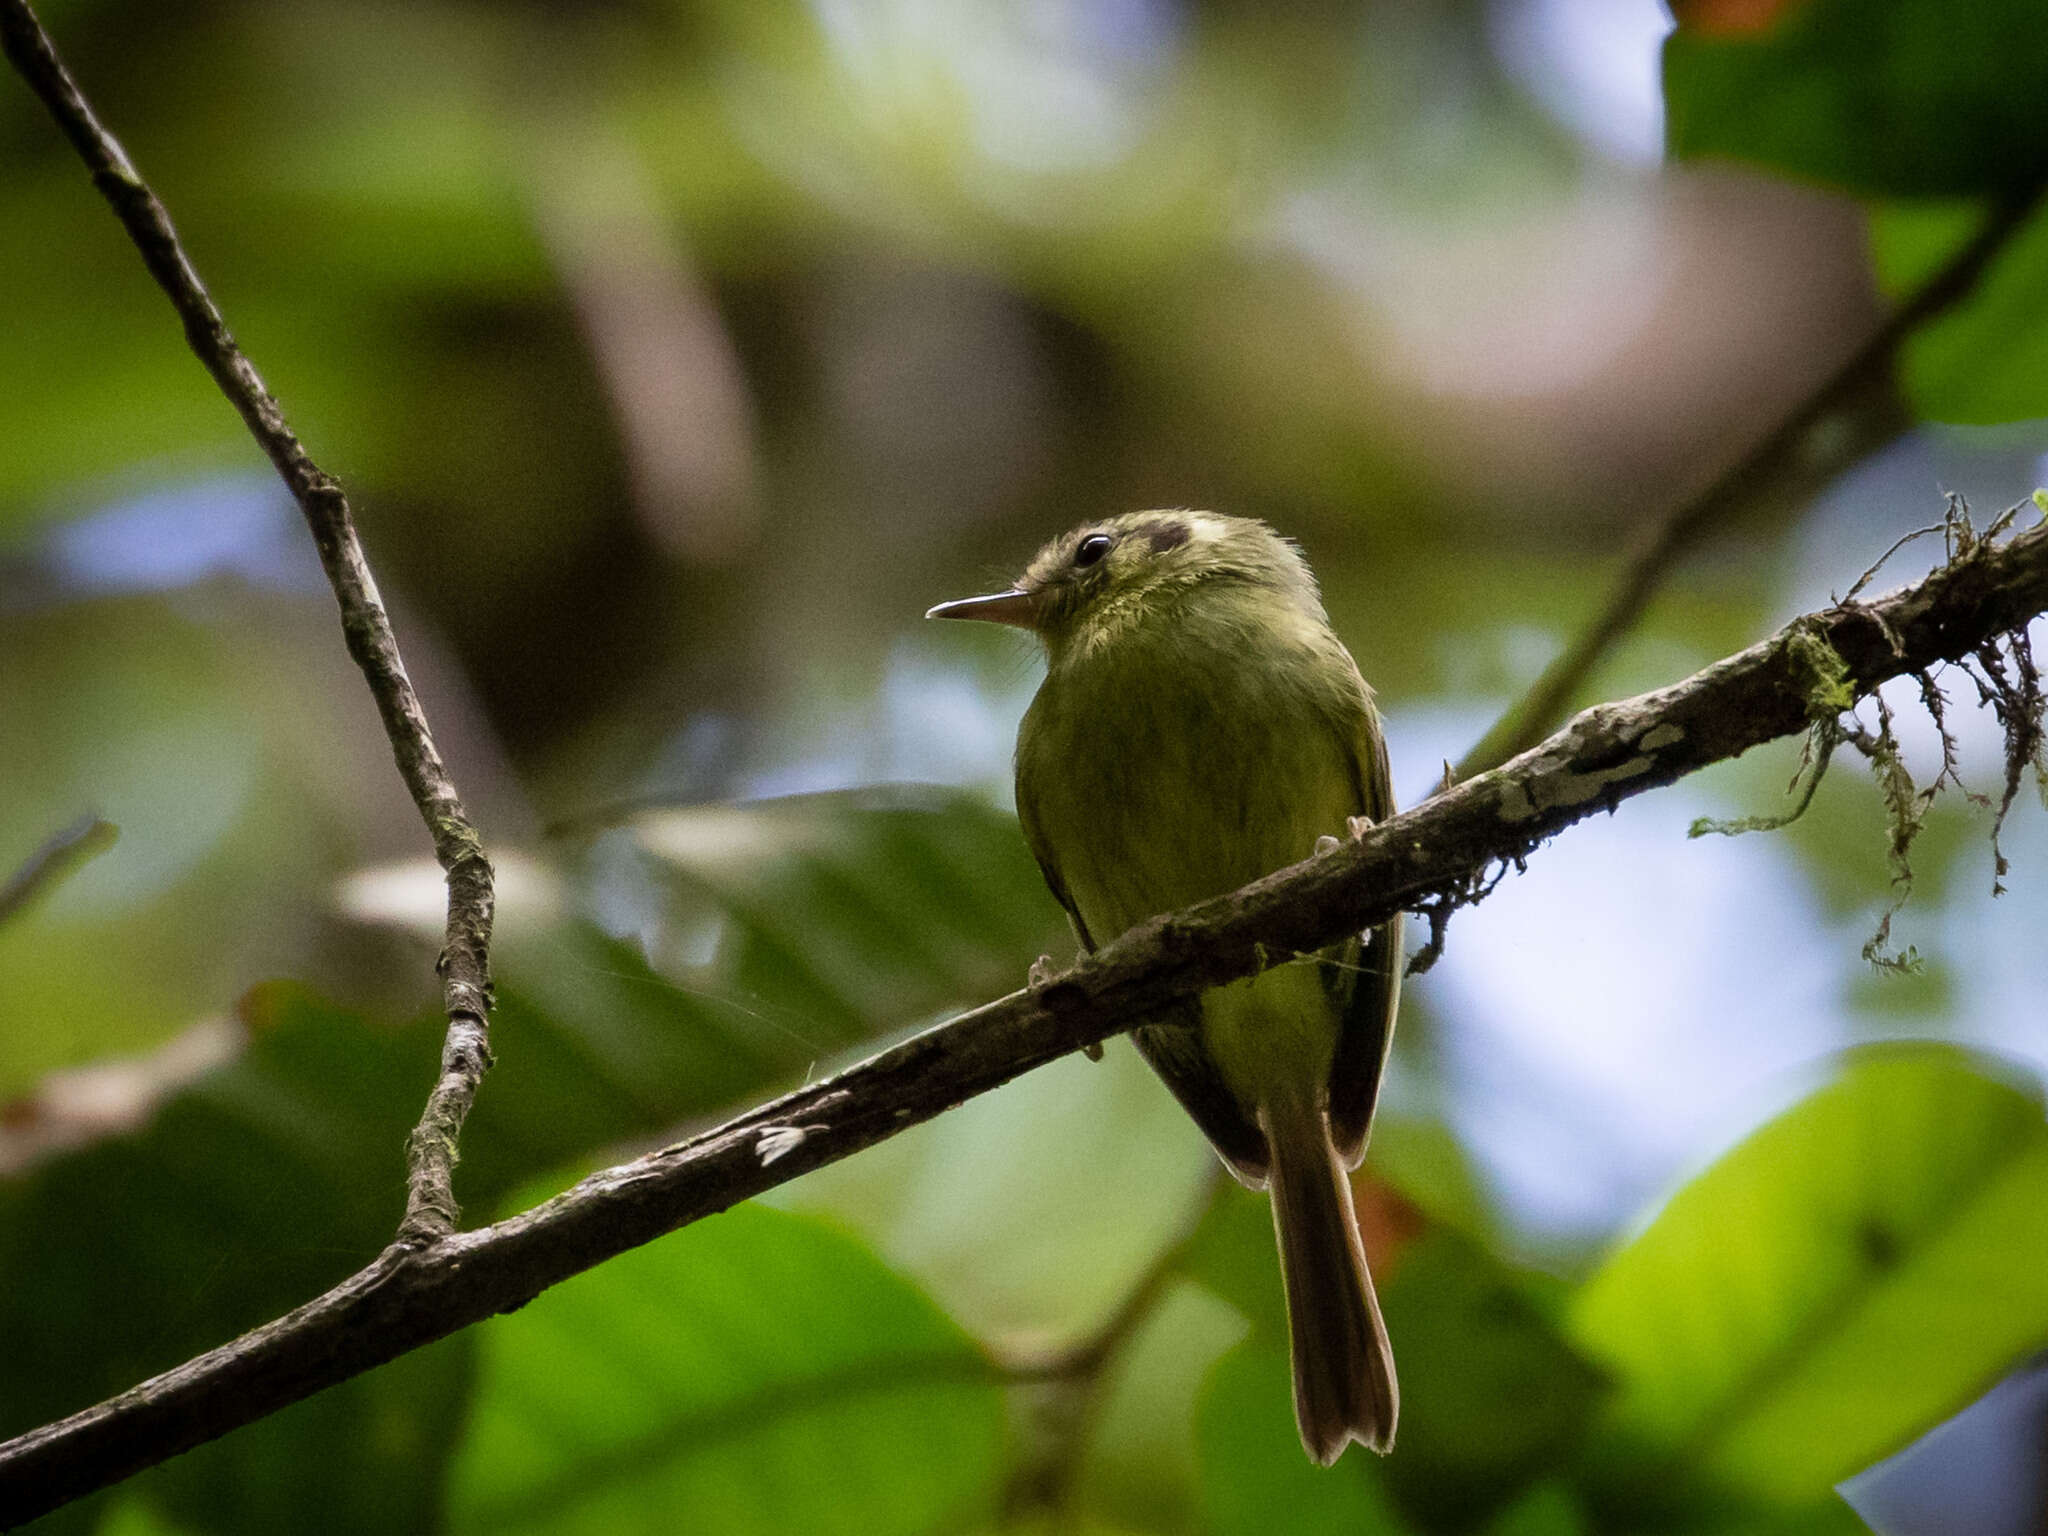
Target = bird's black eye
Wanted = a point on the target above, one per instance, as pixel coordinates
(1091, 549)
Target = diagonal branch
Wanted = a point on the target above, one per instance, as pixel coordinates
(431, 1210)
(1439, 853)
(1794, 460)
(62, 852)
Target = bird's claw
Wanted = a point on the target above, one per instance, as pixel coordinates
(1040, 973)
(1355, 827)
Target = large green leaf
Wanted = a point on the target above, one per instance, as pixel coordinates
(758, 1372)
(1850, 1275)
(831, 920)
(250, 1190)
(595, 1046)
(1916, 98)
(253, 1188)
(1491, 1395)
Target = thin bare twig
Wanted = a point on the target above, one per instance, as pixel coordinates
(1794, 454)
(1092, 1353)
(61, 853)
(431, 1210)
(1439, 851)
(1074, 1379)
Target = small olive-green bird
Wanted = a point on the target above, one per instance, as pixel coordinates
(1199, 726)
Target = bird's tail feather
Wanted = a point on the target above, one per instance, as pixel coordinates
(1344, 1386)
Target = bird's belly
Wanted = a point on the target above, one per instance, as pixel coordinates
(1273, 1032)
(1167, 817)
(1173, 816)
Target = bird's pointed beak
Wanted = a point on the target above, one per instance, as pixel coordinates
(1015, 606)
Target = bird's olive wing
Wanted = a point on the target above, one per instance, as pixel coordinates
(1367, 990)
(1173, 1049)
(1041, 850)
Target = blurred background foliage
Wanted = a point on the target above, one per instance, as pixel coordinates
(676, 358)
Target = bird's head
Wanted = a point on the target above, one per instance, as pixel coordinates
(1105, 578)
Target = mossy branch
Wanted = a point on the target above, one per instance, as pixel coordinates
(2008, 683)
(48, 867)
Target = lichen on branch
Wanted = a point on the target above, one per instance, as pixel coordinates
(2001, 665)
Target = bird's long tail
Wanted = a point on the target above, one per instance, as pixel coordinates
(1344, 1387)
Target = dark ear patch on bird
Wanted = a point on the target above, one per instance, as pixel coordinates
(1169, 533)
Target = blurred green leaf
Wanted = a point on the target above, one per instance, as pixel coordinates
(1255, 1478)
(251, 1189)
(1917, 98)
(1028, 1212)
(1424, 1163)
(368, 1455)
(1491, 1395)
(1548, 1509)
(116, 386)
(1232, 1253)
(758, 1372)
(254, 1188)
(857, 910)
(1850, 1275)
(142, 716)
(596, 1047)
(1987, 362)
(830, 920)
